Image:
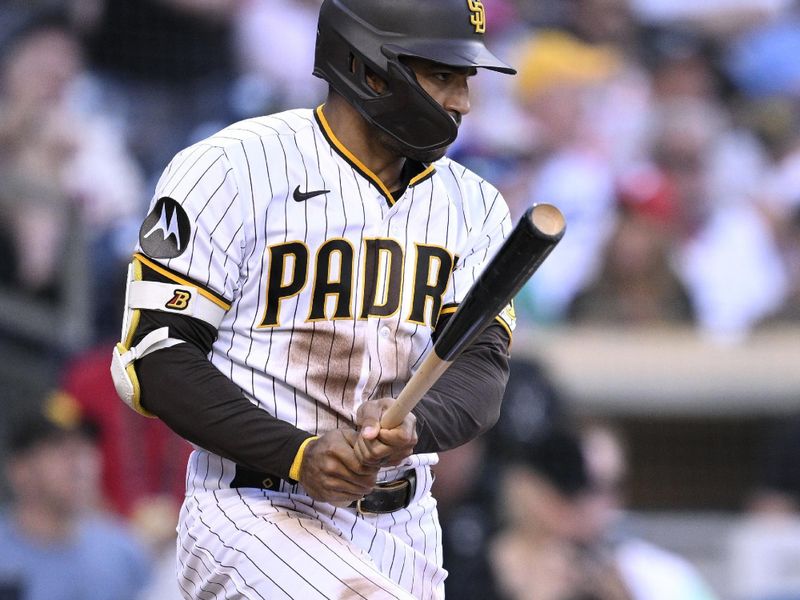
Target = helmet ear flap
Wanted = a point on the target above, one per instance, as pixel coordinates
(408, 113)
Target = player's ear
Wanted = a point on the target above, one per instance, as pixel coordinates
(376, 83)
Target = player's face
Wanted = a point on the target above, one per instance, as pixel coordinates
(449, 86)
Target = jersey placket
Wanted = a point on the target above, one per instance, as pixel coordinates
(387, 347)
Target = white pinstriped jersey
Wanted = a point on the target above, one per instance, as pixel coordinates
(331, 285)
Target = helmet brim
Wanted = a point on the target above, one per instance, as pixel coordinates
(454, 53)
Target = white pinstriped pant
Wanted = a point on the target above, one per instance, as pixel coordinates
(254, 544)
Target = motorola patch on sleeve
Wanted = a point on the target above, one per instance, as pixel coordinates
(165, 231)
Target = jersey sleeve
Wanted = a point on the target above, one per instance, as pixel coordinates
(193, 229)
(487, 226)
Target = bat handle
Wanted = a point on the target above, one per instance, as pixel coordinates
(422, 380)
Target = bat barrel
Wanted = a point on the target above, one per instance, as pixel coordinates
(531, 241)
(533, 238)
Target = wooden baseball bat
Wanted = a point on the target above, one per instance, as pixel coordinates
(533, 238)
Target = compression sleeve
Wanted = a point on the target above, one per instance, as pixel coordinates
(465, 401)
(181, 387)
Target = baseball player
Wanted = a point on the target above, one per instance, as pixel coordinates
(291, 274)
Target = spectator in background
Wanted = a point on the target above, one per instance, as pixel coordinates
(618, 109)
(562, 538)
(536, 555)
(466, 502)
(636, 284)
(37, 138)
(604, 22)
(54, 544)
(682, 62)
(764, 547)
(724, 249)
(67, 179)
(776, 121)
(647, 571)
(166, 67)
(143, 460)
(276, 55)
(557, 76)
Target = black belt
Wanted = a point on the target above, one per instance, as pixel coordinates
(384, 498)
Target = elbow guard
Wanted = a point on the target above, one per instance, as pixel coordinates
(122, 366)
(180, 298)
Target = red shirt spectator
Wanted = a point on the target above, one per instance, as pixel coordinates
(142, 458)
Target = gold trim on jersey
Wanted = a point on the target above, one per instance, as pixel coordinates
(297, 463)
(360, 166)
(505, 326)
(222, 303)
(350, 156)
(422, 176)
(448, 310)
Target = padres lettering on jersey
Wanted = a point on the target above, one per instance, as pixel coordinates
(334, 285)
(382, 277)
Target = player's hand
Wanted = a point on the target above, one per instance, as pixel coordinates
(330, 471)
(378, 446)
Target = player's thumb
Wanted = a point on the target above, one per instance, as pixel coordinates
(371, 429)
(369, 420)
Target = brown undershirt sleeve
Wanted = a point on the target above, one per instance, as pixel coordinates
(465, 401)
(181, 386)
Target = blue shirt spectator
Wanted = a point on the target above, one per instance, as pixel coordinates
(99, 561)
(55, 542)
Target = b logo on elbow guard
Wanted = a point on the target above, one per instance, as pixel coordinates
(179, 301)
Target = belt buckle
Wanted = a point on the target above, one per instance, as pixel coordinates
(364, 511)
(391, 486)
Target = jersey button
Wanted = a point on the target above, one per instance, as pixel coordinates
(385, 331)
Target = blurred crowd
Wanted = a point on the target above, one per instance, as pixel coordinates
(535, 509)
(667, 131)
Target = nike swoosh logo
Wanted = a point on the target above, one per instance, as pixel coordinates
(303, 196)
